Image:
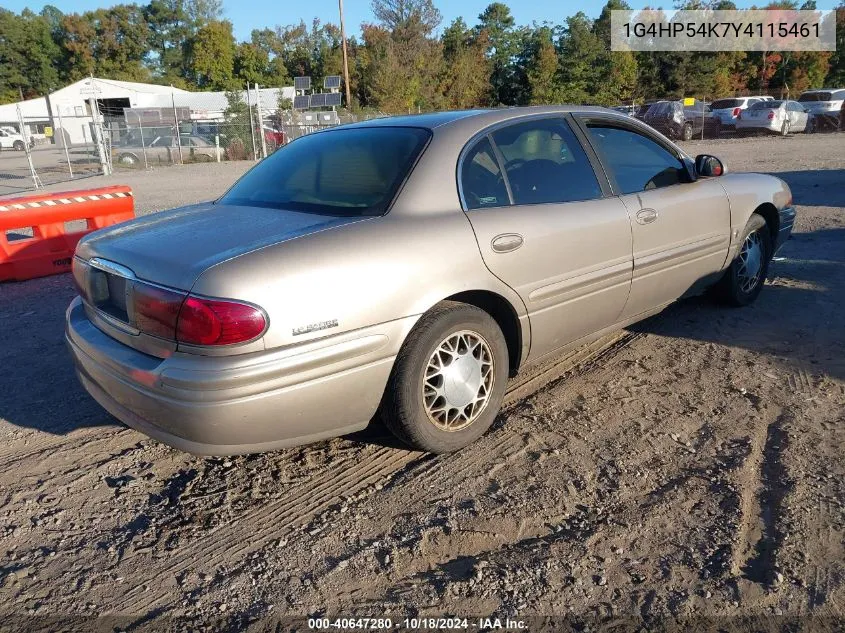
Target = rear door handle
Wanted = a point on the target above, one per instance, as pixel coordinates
(646, 216)
(506, 242)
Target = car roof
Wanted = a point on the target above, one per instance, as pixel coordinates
(436, 120)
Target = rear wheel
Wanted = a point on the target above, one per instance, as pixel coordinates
(784, 129)
(744, 280)
(129, 160)
(18, 146)
(448, 380)
(686, 132)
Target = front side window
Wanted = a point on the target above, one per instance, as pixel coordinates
(348, 171)
(481, 179)
(544, 163)
(639, 163)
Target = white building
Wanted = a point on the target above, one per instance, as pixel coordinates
(67, 112)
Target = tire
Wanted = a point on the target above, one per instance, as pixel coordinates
(416, 408)
(129, 160)
(686, 132)
(784, 129)
(735, 287)
(18, 146)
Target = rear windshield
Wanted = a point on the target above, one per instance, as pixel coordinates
(765, 105)
(815, 96)
(348, 172)
(722, 104)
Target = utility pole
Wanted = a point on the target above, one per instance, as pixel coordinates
(345, 59)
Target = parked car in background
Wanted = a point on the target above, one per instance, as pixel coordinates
(726, 111)
(10, 139)
(642, 109)
(780, 117)
(274, 138)
(629, 110)
(825, 106)
(679, 121)
(281, 313)
(161, 149)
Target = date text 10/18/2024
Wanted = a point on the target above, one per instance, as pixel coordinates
(416, 624)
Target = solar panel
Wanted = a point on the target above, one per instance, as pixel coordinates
(301, 102)
(333, 99)
(318, 100)
(302, 83)
(331, 82)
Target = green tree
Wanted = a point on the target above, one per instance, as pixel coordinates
(111, 43)
(836, 73)
(466, 70)
(539, 61)
(213, 55)
(584, 53)
(28, 56)
(503, 43)
(173, 25)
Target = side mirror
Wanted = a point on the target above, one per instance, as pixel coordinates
(708, 166)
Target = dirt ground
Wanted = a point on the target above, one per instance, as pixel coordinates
(690, 469)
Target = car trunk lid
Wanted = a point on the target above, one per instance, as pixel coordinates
(173, 248)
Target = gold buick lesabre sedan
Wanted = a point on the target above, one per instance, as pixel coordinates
(402, 269)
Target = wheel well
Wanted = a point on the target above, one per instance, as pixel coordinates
(505, 316)
(772, 218)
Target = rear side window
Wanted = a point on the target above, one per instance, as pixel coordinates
(815, 96)
(766, 105)
(545, 163)
(723, 104)
(348, 172)
(481, 179)
(639, 163)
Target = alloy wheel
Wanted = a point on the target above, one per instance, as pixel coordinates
(458, 380)
(750, 262)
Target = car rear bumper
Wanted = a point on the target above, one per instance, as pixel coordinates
(226, 405)
(766, 125)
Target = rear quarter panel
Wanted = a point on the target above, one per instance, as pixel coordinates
(366, 273)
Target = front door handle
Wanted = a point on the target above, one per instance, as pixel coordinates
(646, 216)
(506, 242)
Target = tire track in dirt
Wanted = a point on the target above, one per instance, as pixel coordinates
(765, 484)
(361, 473)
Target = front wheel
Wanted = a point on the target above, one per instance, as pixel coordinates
(744, 280)
(448, 380)
(18, 146)
(686, 132)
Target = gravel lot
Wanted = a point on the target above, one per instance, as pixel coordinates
(689, 468)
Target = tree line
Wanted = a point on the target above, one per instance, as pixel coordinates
(404, 60)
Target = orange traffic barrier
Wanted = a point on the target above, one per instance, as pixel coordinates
(50, 248)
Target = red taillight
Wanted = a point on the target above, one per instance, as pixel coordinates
(737, 111)
(771, 116)
(174, 315)
(156, 309)
(214, 322)
(739, 114)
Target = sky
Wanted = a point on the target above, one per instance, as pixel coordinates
(258, 14)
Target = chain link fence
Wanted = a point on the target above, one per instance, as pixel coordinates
(104, 136)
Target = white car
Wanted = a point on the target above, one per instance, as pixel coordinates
(11, 140)
(726, 111)
(781, 117)
(824, 105)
